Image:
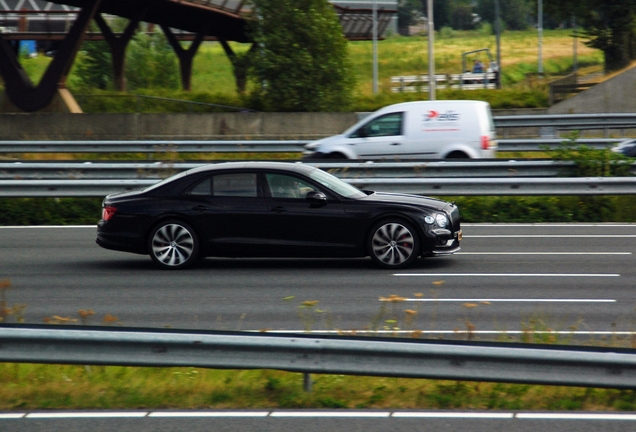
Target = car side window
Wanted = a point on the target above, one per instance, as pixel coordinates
(386, 125)
(239, 185)
(202, 188)
(285, 186)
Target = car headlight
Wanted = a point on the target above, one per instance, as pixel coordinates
(429, 220)
(441, 220)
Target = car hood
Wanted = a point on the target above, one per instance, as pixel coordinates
(414, 200)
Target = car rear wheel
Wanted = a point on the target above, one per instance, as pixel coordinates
(393, 244)
(173, 245)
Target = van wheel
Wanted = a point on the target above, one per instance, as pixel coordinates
(393, 244)
(335, 156)
(457, 155)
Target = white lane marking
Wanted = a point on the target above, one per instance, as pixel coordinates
(582, 416)
(556, 237)
(329, 414)
(549, 225)
(342, 414)
(453, 415)
(48, 226)
(543, 253)
(476, 300)
(452, 332)
(510, 274)
(51, 415)
(12, 416)
(210, 414)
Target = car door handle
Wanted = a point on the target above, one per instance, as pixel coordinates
(200, 208)
(396, 144)
(279, 209)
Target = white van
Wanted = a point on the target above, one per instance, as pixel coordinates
(415, 130)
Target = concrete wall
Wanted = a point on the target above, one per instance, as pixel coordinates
(213, 126)
(615, 95)
(173, 126)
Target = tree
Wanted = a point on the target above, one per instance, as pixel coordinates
(151, 63)
(94, 67)
(608, 25)
(300, 61)
(514, 14)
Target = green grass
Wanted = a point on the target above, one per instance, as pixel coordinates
(213, 82)
(35, 386)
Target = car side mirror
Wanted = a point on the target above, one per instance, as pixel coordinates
(316, 198)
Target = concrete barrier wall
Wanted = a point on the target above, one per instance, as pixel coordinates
(213, 126)
(173, 126)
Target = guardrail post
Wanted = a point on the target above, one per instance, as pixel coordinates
(307, 382)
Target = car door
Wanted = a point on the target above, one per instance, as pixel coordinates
(226, 209)
(381, 137)
(301, 226)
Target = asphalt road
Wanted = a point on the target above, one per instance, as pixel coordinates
(507, 278)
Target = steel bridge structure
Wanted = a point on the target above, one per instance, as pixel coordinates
(66, 23)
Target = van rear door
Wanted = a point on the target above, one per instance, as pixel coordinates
(380, 137)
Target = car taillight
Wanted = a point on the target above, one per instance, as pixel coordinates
(485, 142)
(108, 212)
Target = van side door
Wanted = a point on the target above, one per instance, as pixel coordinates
(381, 137)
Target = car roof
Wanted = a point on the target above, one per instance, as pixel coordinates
(281, 166)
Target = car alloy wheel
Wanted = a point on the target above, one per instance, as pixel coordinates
(173, 245)
(393, 244)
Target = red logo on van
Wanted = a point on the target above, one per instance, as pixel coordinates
(448, 116)
(432, 115)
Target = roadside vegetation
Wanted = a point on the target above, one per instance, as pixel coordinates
(213, 80)
(41, 387)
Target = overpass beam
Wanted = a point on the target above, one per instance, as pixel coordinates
(239, 64)
(186, 56)
(18, 86)
(118, 46)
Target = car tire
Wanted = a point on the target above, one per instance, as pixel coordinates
(393, 244)
(173, 245)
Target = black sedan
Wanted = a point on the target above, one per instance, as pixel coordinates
(269, 209)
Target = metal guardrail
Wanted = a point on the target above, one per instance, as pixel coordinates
(569, 121)
(419, 186)
(245, 146)
(160, 170)
(407, 358)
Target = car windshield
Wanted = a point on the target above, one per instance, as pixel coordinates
(335, 184)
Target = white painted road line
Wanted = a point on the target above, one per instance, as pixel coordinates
(210, 414)
(549, 225)
(352, 414)
(509, 274)
(98, 414)
(332, 414)
(454, 332)
(460, 415)
(48, 226)
(560, 236)
(476, 300)
(582, 416)
(11, 416)
(543, 253)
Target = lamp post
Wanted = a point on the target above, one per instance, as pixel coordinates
(431, 55)
(375, 47)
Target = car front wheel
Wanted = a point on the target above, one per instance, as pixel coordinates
(173, 245)
(393, 244)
